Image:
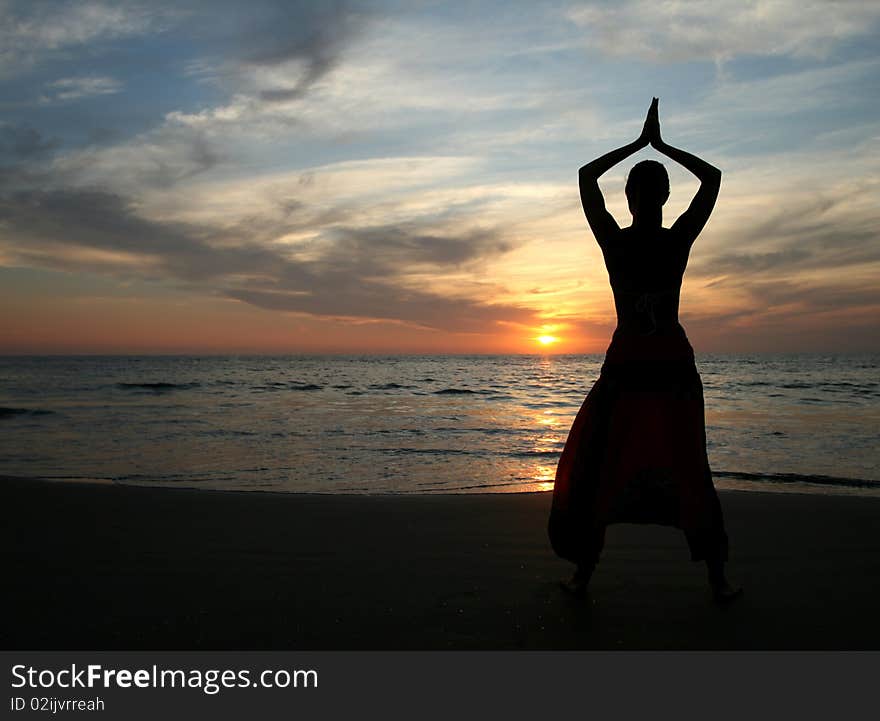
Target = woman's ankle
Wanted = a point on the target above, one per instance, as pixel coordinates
(715, 568)
(583, 573)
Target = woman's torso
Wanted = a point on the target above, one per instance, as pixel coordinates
(645, 270)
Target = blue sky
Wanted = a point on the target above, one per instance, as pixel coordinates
(284, 176)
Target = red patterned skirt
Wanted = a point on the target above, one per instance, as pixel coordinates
(636, 452)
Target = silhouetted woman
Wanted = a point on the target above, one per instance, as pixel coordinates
(637, 450)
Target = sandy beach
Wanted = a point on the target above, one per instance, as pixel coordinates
(113, 567)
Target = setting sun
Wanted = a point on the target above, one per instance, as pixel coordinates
(547, 339)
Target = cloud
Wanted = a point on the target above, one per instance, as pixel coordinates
(68, 89)
(269, 51)
(33, 30)
(717, 30)
(407, 246)
(23, 142)
(792, 256)
(379, 301)
(793, 244)
(358, 276)
(314, 35)
(807, 105)
(362, 73)
(159, 158)
(274, 52)
(812, 296)
(795, 219)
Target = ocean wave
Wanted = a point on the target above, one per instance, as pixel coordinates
(381, 432)
(459, 392)
(537, 406)
(537, 454)
(295, 386)
(10, 412)
(433, 451)
(226, 432)
(477, 486)
(159, 386)
(789, 478)
(464, 429)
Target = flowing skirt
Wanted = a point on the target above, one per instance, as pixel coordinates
(636, 452)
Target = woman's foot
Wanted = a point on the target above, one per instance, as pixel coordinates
(579, 583)
(722, 591)
(725, 593)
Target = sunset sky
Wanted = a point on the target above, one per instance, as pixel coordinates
(268, 177)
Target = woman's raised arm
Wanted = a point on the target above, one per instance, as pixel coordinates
(601, 222)
(691, 222)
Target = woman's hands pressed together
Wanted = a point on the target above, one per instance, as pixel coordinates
(651, 129)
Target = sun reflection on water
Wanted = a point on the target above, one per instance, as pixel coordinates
(543, 477)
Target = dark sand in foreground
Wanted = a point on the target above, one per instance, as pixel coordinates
(105, 567)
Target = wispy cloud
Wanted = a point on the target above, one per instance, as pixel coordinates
(357, 274)
(274, 52)
(69, 89)
(718, 30)
(159, 158)
(36, 29)
(23, 142)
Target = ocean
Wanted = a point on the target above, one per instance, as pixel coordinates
(412, 424)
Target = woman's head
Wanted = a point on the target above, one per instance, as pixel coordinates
(647, 186)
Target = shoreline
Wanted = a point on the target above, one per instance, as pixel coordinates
(110, 566)
(792, 487)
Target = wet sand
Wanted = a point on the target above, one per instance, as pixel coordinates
(113, 567)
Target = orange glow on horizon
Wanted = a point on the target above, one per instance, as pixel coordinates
(44, 316)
